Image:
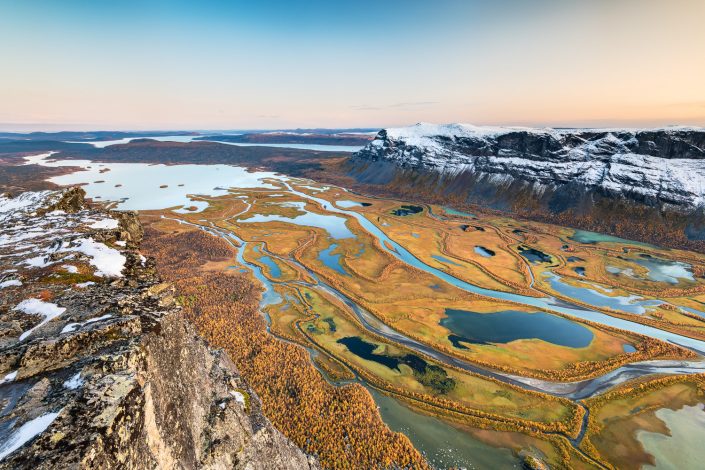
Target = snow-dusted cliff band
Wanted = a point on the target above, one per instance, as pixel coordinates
(662, 168)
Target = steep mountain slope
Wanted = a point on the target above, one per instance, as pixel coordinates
(98, 367)
(650, 175)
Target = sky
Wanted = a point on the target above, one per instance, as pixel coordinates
(158, 65)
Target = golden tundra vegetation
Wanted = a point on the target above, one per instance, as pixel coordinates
(311, 339)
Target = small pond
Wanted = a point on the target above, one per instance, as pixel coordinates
(533, 255)
(405, 210)
(350, 204)
(511, 325)
(590, 238)
(482, 251)
(451, 211)
(662, 270)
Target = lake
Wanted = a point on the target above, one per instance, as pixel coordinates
(512, 325)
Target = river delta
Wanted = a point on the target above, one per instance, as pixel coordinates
(488, 341)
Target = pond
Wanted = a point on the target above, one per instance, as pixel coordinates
(482, 251)
(451, 211)
(662, 270)
(365, 350)
(332, 260)
(579, 270)
(350, 204)
(534, 256)
(590, 238)
(511, 325)
(405, 210)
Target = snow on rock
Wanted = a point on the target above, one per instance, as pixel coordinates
(106, 223)
(25, 203)
(660, 166)
(108, 261)
(9, 377)
(74, 382)
(238, 396)
(26, 433)
(38, 307)
(70, 268)
(83, 285)
(71, 327)
(10, 283)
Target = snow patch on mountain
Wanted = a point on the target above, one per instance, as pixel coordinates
(657, 166)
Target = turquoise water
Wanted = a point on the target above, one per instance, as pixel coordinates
(583, 236)
(451, 211)
(332, 260)
(512, 325)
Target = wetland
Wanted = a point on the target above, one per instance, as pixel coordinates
(481, 346)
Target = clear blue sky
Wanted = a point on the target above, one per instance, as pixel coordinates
(233, 64)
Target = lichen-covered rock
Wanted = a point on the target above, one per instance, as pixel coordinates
(98, 368)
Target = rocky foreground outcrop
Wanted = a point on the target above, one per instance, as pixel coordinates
(98, 368)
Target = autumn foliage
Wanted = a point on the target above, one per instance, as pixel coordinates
(340, 425)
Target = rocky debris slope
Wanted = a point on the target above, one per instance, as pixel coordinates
(98, 368)
(662, 168)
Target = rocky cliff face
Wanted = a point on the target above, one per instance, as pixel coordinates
(606, 180)
(98, 369)
(656, 167)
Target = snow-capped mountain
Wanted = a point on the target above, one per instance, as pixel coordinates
(662, 168)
